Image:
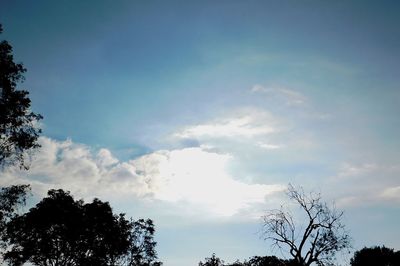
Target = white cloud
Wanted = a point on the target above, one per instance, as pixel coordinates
(246, 123)
(354, 170)
(191, 176)
(269, 146)
(374, 195)
(105, 158)
(74, 167)
(366, 183)
(391, 193)
(200, 177)
(259, 88)
(290, 97)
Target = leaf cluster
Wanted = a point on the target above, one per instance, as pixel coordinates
(11, 198)
(18, 124)
(376, 256)
(253, 261)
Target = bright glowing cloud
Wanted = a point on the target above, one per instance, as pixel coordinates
(200, 177)
(191, 176)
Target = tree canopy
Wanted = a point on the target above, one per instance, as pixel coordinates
(212, 261)
(18, 124)
(65, 232)
(376, 256)
(11, 198)
(253, 261)
(266, 261)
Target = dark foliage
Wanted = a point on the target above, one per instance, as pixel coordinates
(64, 232)
(266, 261)
(253, 261)
(18, 131)
(376, 256)
(141, 249)
(316, 241)
(11, 198)
(212, 261)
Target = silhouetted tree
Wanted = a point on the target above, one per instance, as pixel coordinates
(212, 261)
(376, 256)
(253, 261)
(106, 236)
(11, 198)
(317, 241)
(64, 232)
(266, 261)
(18, 129)
(141, 249)
(237, 263)
(49, 234)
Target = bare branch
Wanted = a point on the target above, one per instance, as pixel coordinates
(322, 237)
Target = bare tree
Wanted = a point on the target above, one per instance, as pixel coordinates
(317, 239)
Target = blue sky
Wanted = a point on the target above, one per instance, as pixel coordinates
(198, 114)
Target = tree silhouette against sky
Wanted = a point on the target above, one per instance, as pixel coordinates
(317, 240)
(61, 231)
(376, 256)
(18, 124)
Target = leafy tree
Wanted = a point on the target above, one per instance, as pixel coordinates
(11, 198)
(18, 131)
(212, 261)
(141, 249)
(376, 256)
(266, 261)
(49, 234)
(237, 263)
(318, 240)
(253, 261)
(106, 236)
(64, 232)
(263, 261)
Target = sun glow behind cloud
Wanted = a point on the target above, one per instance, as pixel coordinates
(191, 176)
(200, 177)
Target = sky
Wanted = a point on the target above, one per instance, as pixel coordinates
(198, 114)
